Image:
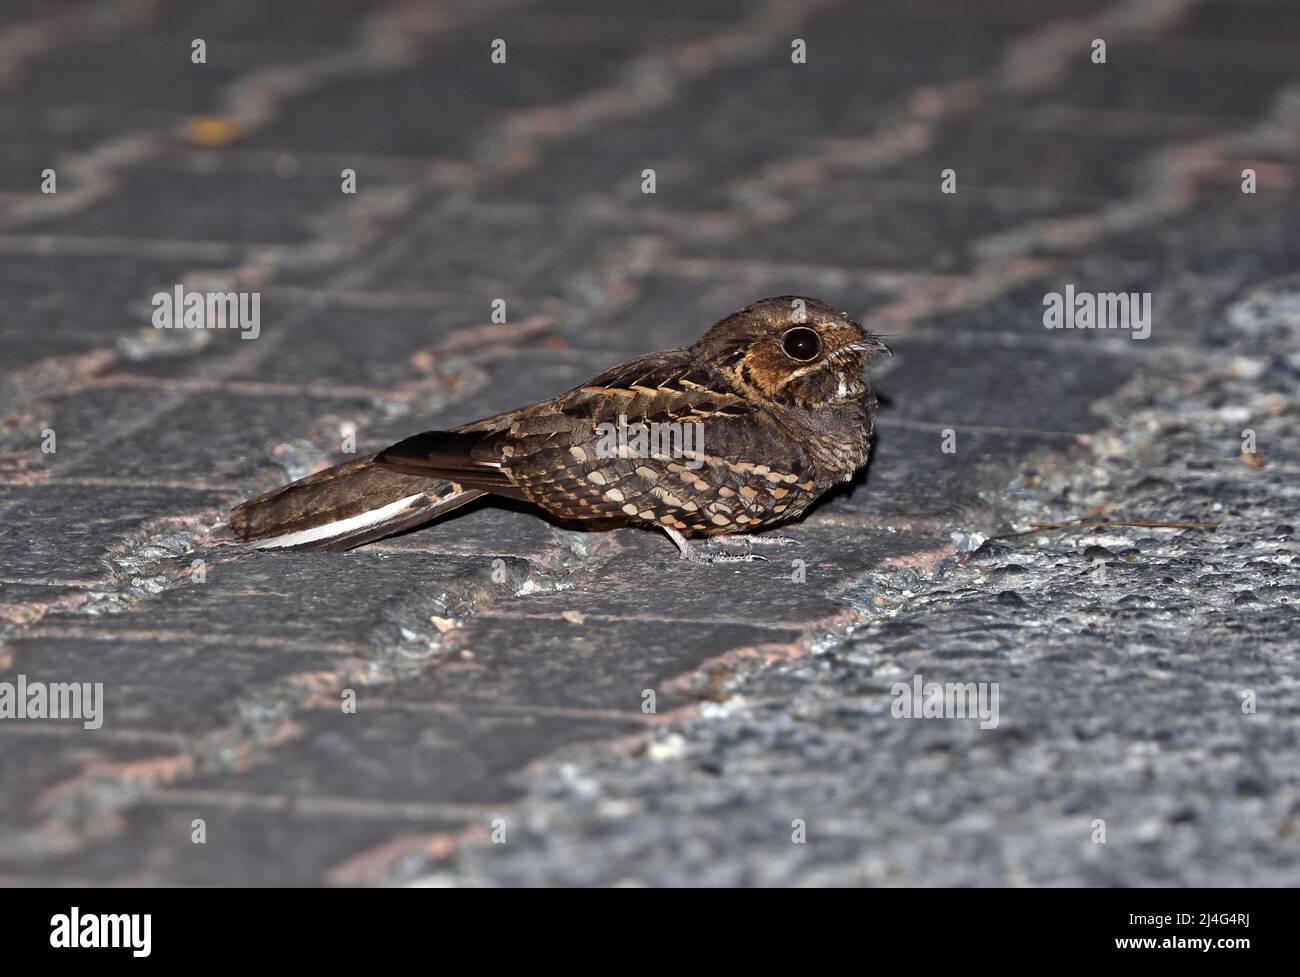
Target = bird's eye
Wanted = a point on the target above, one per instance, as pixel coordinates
(801, 343)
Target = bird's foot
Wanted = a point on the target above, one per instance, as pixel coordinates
(697, 555)
(757, 539)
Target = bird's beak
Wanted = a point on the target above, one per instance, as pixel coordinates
(871, 345)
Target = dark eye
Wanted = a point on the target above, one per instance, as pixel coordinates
(801, 343)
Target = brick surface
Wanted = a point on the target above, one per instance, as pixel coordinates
(500, 663)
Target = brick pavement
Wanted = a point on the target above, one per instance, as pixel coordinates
(498, 662)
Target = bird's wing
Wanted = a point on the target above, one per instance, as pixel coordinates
(704, 445)
(558, 453)
(470, 459)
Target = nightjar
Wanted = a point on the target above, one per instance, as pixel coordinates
(741, 431)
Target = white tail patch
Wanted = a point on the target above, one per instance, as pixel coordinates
(351, 524)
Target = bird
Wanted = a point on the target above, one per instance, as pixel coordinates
(740, 431)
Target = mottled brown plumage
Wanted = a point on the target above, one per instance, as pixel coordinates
(776, 403)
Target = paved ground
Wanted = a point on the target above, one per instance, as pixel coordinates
(1146, 677)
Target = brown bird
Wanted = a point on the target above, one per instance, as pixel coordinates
(738, 432)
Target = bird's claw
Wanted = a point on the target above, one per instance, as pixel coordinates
(706, 559)
(764, 539)
(694, 554)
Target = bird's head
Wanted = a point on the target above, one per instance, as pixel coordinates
(791, 350)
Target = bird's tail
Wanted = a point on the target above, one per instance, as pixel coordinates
(345, 506)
